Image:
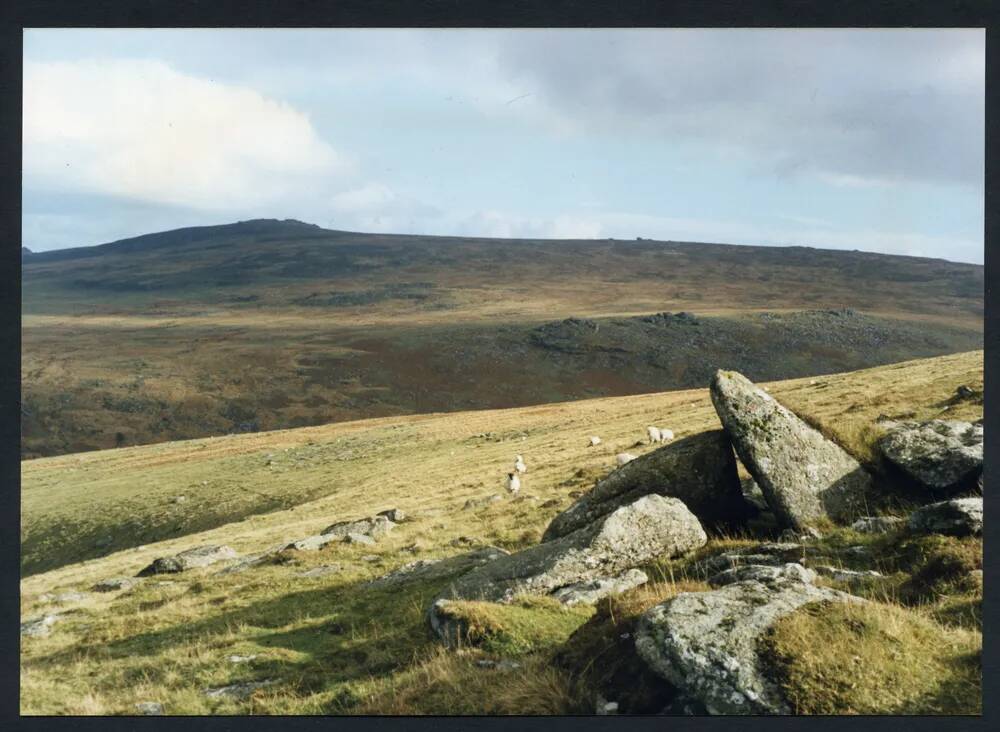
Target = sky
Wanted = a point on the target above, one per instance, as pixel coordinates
(842, 139)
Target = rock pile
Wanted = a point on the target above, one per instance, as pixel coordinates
(943, 456)
(201, 556)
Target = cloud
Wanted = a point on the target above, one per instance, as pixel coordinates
(140, 129)
(886, 105)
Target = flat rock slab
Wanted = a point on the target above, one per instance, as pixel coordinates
(877, 524)
(763, 573)
(429, 570)
(774, 554)
(699, 470)
(957, 517)
(706, 643)
(590, 592)
(62, 598)
(320, 571)
(374, 527)
(39, 627)
(312, 543)
(201, 556)
(114, 584)
(476, 503)
(651, 527)
(804, 476)
(238, 691)
(944, 456)
(149, 709)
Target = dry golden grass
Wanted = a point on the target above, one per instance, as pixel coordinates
(331, 643)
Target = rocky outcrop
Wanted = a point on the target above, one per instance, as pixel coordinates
(651, 527)
(201, 556)
(957, 517)
(804, 476)
(374, 526)
(114, 584)
(699, 470)
(429, 570)
(944, 456)
(706, 643)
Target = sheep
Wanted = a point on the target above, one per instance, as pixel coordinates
(654, 435)
(624, 457)
(666, 435)
(519, 465)
(595, 441)
(513, 483)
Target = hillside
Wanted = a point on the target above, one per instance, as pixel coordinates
(274, 324)
(328, 642)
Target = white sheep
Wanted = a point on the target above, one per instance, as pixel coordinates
(654, 434)
(519, 465)
(513, 483)
(595, 441)
(666, 435)
(624, 457)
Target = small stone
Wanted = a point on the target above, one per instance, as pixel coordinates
(370, 558)
(149, 709)
(876, 524)
(241, 659)
(475, 503)
(320, 571)
(958, 517)
(239, 691)
(39, 627)
(393, 514)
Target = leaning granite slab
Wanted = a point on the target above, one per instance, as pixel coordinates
(651, 527)
(374, 526)
(944, 456)
(430, 570)
(201, 556)
(804, 476)
(699, 470)
(707, 643)
(957, 517)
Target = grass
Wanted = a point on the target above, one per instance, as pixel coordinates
(875, 659)
(333, 644)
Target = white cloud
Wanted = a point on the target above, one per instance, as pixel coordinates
(140, 129)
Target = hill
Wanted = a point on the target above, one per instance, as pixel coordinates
(274, 324)
(326, 641)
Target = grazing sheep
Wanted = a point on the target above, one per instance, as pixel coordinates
(595, 441)
(624, 457)
(654, 434)
(666, 435)
(519, 465)
(513, 483)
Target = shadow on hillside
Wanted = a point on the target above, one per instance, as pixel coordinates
(347, 632)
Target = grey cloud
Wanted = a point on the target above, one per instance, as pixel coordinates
(905, 105)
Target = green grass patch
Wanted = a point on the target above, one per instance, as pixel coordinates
(875, 659)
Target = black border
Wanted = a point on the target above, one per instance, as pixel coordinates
(18, 14)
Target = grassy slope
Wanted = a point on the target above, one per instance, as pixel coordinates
(332, 644)
(288, 325)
